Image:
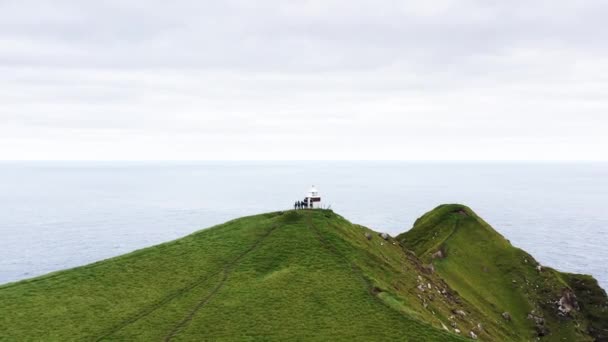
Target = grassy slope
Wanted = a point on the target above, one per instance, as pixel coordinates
(305, 275)
(495, 277)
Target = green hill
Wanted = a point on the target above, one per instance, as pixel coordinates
(306, 275)
(506, 283)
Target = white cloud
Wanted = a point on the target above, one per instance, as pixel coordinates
(303, 80)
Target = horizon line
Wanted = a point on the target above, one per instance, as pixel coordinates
(311, 160)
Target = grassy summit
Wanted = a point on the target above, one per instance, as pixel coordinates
(296, 275)
(505, 283)
(305, 275)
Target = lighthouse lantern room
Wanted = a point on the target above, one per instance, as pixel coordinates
(313, 200)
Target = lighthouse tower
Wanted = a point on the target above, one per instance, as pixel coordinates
(313, 200)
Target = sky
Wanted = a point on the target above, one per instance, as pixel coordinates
(304, 80)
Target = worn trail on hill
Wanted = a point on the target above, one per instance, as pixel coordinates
(329, 246)
(226, 270)
(455, 227)
(170, 297)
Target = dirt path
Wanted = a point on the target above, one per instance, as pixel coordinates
(227, 270)
(437, 245)
(155, 306)
(329, 246)
(173, 295)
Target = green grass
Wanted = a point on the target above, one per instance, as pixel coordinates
(495, 277)
(303, 275)
(270, 277)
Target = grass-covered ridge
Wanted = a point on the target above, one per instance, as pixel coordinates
(282, 276)
(506, 283)
(303, 275)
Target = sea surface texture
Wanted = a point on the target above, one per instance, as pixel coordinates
(57, 215)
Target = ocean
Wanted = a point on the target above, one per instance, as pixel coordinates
(57, 215)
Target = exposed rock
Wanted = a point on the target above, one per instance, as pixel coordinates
(542, 330)
(429, 268)
(537, 319)
(420, 287)
(368, 236)
(438, 255)
(459, 313)
(376, 290)
(539, 268)
(429, 285)
(473, 335)
(506, 316)
(479, 327)
(461, 212)
(453, 324)
(457, 331)
(567, 302)
(385, 236)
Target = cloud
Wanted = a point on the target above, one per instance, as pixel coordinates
(303, 80)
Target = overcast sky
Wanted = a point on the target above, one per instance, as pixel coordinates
(406, 80)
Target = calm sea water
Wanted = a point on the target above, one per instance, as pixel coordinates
(56, 215)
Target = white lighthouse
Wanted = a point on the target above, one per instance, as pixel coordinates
(313, 200)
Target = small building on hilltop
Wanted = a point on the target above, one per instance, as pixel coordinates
(313, 199)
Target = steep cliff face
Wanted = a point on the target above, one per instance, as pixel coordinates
(505, 283)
